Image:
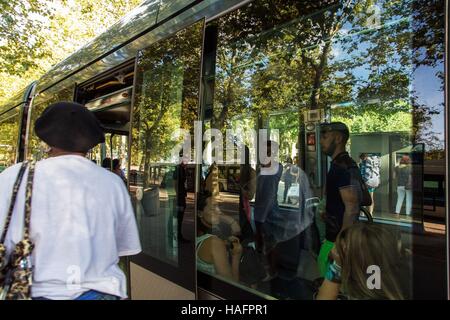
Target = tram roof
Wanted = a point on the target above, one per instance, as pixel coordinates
(142, 17)
(19, 98)
(151, 21)
(146, 24)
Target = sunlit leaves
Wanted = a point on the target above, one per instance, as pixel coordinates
(37, 34)
(278, 57)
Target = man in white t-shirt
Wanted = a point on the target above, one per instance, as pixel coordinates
(82, 219)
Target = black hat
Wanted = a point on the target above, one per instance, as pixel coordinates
(335, 126)
(69, 126)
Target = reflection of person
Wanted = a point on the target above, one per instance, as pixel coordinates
(266, 207)
(348, 272)
(215, 255)
(179, 176)
(225, 225)
(106, 163)
(288, 177)
(403, 172)
(343, 193)
(117, 170)
(292, 230)
(82, 219)
(247, 184)
(369, 168)
(291, 180)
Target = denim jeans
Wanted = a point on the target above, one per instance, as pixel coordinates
(89, 295)
(401, 193)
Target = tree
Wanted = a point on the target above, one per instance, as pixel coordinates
(292, 56)
(22, 43)
(166, 96)
(37, 34)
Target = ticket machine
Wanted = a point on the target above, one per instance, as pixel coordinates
(315, 161)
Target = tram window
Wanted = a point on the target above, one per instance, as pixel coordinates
(162, 179)
(277, 59)
(9, 137)
(115, 148)
(110, 100)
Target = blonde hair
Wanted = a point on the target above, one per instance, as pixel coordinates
(366, 244)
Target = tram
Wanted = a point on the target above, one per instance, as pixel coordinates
(283, 66)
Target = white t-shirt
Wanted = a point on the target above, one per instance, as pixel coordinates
(82, 220)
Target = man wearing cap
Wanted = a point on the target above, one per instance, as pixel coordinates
(343, 194)
(82, 219)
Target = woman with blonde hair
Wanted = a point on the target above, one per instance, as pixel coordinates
(368, 264)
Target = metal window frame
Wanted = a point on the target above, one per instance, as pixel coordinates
(150, 263)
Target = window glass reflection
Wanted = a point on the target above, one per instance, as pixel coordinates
(286, 66)
(9, 132)
(162, 178)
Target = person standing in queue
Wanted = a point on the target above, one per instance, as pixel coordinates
(116, 166)
(266, 209)
(180, 179)
(247, 189)
(82, 219)
(343, 192)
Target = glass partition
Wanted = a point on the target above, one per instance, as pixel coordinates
(162, 178)
(284, 67)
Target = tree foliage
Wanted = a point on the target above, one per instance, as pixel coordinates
(166, 96)
(356, 59)
(275, 59)
(22, 42)
(37, 34)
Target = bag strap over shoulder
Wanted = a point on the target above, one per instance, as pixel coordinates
(28, 194)
(15, 191)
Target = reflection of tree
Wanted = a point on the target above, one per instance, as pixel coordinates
(283, 60)
(230, 92)
(411, 36)
(429, 32)
(9, 132)
(359, 55)
(166, 92)
(428, 51)
(287, 124)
